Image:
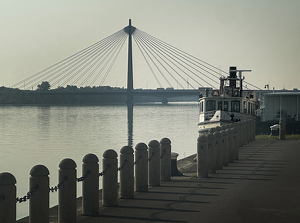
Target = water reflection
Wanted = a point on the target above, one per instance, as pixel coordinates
(130, 124)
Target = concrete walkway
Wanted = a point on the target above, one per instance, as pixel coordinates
(262, 186)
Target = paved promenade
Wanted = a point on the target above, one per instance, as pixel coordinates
(262, 186)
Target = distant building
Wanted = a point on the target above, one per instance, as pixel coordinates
(281, 104)
(285, 104)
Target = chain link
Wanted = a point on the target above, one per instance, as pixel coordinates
(52, 189)
(122, 166)
(149, 159)
(2, 197)
(84, 176)
(138, 159)
(163, 153)
(29, 194)
(103, 172)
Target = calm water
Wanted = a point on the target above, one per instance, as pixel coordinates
(32, 135)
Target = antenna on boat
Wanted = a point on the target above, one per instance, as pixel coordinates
(240, 77)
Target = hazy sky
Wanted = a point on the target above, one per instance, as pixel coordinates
(261, 35)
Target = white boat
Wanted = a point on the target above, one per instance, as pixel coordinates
(228, 104)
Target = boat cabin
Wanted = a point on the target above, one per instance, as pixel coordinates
(229, 103)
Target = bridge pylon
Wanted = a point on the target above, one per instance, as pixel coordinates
(129, 30)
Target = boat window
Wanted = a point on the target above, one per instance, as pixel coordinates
(235, 106)
(225, 105)
(210, 105)
(219, 105)
(201, 106)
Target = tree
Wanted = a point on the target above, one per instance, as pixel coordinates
(44, 86)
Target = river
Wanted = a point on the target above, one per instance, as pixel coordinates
(32, 135)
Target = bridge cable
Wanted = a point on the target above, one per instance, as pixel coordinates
(157, 66)
(40, 74)
(153, 73)
(150, 48)
(163, 53)
(174, 56)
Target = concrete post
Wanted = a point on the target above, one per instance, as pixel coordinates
(218, 154)
(230, 145)
(282, 128)
(253, 133)
(154, 163)
(244, 132)
(240, 128)
(248, 131)
(141, 167)
(67, 192)
(110, 178)
(211, 153)
(7, 198)
(202, 156)
(126, 172)
(224, 148)
(174, 169)
(251, 130)
(39, 199)
(90, 185)
(235, 143)
(165, 159)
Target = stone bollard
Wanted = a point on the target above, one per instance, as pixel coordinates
(165, 159)
(90, 185)
(174, 169)
(248, 131)
(230, 145)
(126, 172)
(67, 191)
(202, 156)
(154, 163)
(218, 153)
(224, 148)
(282, 128)
(7, 198)
(211, 153)
(235, 143)
(240, 128)
(39, 194)
(253, 130)
(141, 167)
(244, 133)
(238, 135)
(110, 178)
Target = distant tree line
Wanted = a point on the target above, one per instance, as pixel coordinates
(17, 96)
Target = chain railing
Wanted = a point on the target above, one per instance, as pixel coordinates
(28, 195)
(91, 167)
(104, 171)
(58, 186)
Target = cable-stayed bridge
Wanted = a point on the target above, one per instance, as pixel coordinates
(177, 72)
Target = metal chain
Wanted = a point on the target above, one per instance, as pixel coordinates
(163, 153)
(29, 194)
(149, 159)
(138, 159)
(122, 166)
(52, 189)
(103, 172)
(84, 176)
(2, 197)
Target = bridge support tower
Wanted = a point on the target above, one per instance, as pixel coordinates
(129, 30)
